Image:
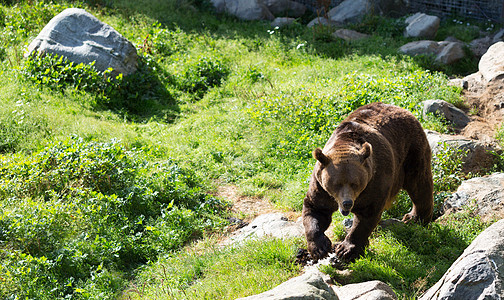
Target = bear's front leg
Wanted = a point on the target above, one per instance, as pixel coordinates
(316, 223)
(357, 239)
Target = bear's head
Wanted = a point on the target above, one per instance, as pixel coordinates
(344, 173)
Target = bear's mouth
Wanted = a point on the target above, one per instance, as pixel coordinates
(345, 212)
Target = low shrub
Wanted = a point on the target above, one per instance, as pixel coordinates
(447, 164)
(138, 94)
(200, 74)
(78, 217)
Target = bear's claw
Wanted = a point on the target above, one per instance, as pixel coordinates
(348, 252)
(320, 247)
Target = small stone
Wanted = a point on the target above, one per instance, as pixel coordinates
(447, 111)
(349, 35)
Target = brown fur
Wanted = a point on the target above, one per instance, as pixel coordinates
(376, 151)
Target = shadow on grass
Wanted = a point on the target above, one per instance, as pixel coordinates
(411, 258)
(143, 96)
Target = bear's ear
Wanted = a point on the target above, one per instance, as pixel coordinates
(318, 155)
(365, 151)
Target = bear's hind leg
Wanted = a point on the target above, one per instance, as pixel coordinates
(420, 190)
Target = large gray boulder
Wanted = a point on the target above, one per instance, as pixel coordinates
(313, 285)
(446, 110)
(485, 193)
(425, 47)
(478, 273)
(498, 37)
(480, 46)
(82, 38)
(309, 286)
(244, 9)
(353, 11)
(445, 52)
(260, 9)
(491, 65)
(421, 25)
(350, 11)
(450, 53)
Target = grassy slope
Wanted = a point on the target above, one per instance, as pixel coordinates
(285, 92)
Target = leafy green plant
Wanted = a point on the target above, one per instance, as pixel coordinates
(58, 73)
(311, 115)
(81, 212)
(447, 164)
(162, 42)
(378, 25)
(137, 94)
(68, 230)
(201, 74)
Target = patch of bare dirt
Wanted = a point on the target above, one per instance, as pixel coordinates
(244, 206)
(486, 107)
(247, 208)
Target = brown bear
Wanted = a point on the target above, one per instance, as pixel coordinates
(376, 151)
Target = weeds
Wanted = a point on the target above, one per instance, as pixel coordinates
(83, 212)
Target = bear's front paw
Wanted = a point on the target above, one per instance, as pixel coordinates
(348, 252)
(319, 247)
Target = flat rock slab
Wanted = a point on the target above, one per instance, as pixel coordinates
(275, 225)
(282, 22)
(487, 193)
(350, 11)
(445, 52)
(447, 111)
(349, 35)
(82, 38)
(370, 290)
(309, 286)
(479, 156)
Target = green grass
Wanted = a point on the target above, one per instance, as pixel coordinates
(412, 258)
(106, 182)
(228, 273)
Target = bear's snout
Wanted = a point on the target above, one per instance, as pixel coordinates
(347, 205)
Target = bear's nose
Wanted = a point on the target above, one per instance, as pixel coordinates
(347, 204)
